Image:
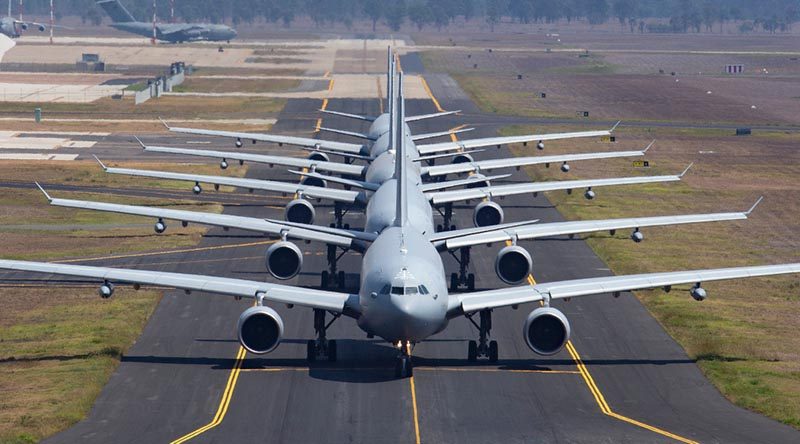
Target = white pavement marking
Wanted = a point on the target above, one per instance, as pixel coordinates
(29, 156)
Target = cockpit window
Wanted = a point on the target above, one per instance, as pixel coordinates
(411, 290)
(423, 289)
(397, 290)
(385, 289)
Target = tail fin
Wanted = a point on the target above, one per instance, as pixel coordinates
(116, 11)
(401, 214)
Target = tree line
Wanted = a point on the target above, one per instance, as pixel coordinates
(632, 15)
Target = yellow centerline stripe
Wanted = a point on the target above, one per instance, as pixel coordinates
(330, 85)
(233, 378)
(598, 395)
(414, 403)
(430, 94)
(224, 403)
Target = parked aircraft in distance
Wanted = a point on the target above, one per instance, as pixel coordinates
(169, 32)
(13, 27)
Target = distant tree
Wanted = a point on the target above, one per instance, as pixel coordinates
(395, 14)
(624, 9)
(374, 10)
(494, 12)
(420, 13)
(94, 17)
(597, 11)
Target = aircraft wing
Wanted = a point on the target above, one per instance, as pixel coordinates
(348, 115)
(342, 147)
(307, 297)
(440, 197)
(308, 191)
(497, 141)
(491, 164)
(430, 116)
(533, 231)
(334, 236)
(471, 302)
(318, 165)
(423, 136)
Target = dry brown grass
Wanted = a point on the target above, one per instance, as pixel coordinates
(237, 85)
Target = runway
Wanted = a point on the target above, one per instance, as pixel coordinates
(621, 379)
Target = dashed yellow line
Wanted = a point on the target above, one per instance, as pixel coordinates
(227, 394)
(430, 94)
(453, 136)
(330, 85)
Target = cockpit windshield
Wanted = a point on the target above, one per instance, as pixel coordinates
(406, 290)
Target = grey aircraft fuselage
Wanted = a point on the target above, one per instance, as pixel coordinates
(12, 27)
(179, 32)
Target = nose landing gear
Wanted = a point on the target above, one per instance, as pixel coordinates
(403, 367)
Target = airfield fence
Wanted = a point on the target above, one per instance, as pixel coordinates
(161, 84)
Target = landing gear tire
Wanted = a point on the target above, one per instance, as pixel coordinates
(403, 368)
(311, 350)
(471, 282)
(472, 351)
(439, 228)
(332, 350)
(324, 280)
(493, 351)
(341, 277)
(453, 281)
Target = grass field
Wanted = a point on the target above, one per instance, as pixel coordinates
(743, 337)
(236, 85)
(56, 353)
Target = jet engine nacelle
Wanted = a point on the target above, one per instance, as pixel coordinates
(698, 293)
(300, 211)
(513, 264)
(260, 329)
(319, 156)
(314, 182)
(223, 164)
(24, 26)
(160, 227)
(284, 260)
(487, 213)
(462, 158)
(477, 180)
(197, 189)
(106, 290)
(41, 28)
(546, 331)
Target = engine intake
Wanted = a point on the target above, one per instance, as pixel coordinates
(478, 181)
(319, 156)
(313, 182)
(487, 213)
(260, 329)
(300, 211)
(284, 260)
(461, 158)
(546, 331)
(513, 264)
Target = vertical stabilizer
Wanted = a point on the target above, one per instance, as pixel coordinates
(400, 164)
(116, 11)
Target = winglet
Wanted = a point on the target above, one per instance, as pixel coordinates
(49, 199)
(100, 162)
(754, 205)
(686, 170)
(648, 146)
(615, 126)
(165, 123)
(140, 141)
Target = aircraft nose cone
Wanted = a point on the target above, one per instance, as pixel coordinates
(417, 317)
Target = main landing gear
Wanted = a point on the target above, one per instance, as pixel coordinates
(462, 277)
(321, 347)
(333, 275)
(482, 348)
(403, 367)
(447, 218)
(339, 211)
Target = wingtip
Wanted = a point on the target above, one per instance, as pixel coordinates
(49, 199)
(686, 170)
(648, 146)
(140, 141)
(166, 125)
(100, 162)
(748, 212)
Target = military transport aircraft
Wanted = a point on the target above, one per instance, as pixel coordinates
(170, 32)
(403, 297)
(13, 27)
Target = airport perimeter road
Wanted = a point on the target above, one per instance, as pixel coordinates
(621, 379)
